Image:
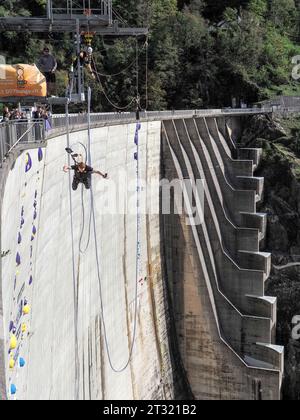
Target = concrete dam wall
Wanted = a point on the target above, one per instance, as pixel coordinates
(88, 313)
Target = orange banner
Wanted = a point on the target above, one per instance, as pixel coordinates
(21, 81)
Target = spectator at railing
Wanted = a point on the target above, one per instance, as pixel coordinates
(46, 117)
(38, 113)
(6, 115)
(17, 115)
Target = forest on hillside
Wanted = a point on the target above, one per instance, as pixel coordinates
(201, 53)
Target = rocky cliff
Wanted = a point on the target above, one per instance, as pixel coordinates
(280, 166)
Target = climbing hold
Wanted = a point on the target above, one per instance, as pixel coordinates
(22, 222)
(136, 156)
(28, 163)
(11, 326)
(136, 137)
(13, 342)
(40, 154)
(19, 239)
(21, 362)
(35, 204)
(26, 309)
(35, 194)
(11, 363)
(24, 328)
(34, 215)
(13, 389)
(30, 280)
(22, 212)
(34, 230)
(18, 259)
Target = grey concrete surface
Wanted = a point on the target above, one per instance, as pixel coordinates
(197, 255)
(204, 326)
(63, 347)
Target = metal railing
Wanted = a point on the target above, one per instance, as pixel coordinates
(102, 9)
(14, 133)
(78, 121)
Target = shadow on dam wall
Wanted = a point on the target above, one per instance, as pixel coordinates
(204, 326)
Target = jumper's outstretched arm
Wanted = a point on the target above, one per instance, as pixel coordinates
(66, 169)
(101, 174)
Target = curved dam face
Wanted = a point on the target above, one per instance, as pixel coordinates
(70, 262)
(64, 346)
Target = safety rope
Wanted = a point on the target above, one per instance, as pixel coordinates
(75, 297)
(137, 72)
(138, 267)
(88, 160)
(107, 97)
(141, 50)
(82, 249)
(137, 98)
(147, 73)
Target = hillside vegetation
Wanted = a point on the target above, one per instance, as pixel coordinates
(202, 53)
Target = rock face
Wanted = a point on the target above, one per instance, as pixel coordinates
(261, 126)
(280, 167)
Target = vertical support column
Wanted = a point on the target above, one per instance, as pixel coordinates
(89, 125)
(109, 6)
(49, 10)
(79, 72)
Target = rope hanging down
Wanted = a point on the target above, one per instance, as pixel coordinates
(126, 68)
(88, 160)
(75, 286)
(137, 98)
(138, 265)
(107, 97)
(83, 250)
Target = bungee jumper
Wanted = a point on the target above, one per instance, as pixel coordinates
(84, 59)
(83, 172)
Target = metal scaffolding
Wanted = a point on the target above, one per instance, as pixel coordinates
(95, 16)
(78, 17)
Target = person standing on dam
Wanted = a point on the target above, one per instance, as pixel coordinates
(83, 175)
(47, 64)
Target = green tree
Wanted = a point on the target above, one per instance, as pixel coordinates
(283, 14)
